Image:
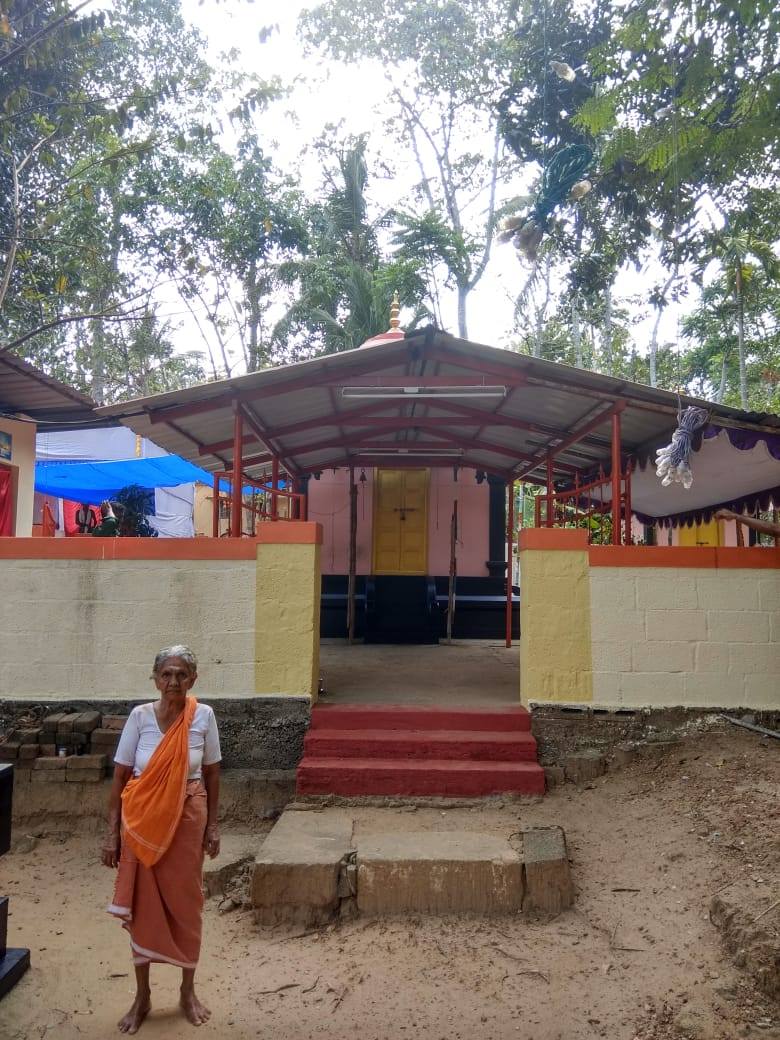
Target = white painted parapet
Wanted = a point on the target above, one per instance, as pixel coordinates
(690, 627)
(84, 617)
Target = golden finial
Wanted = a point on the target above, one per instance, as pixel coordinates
(395, 310)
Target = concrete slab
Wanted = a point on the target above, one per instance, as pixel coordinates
(435, 873)
(476, 673)
(296, 872)
(548, 883)
(236, 850)
(408, 860)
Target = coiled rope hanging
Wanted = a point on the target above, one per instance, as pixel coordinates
(673, 461)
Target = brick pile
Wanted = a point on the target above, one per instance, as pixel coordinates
(66, 746)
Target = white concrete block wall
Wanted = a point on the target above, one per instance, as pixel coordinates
(87, 628)
(698, 637)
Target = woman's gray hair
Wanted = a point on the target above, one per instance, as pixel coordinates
(183, 652)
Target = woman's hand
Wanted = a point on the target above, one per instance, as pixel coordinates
(109, 853)
(211, 840)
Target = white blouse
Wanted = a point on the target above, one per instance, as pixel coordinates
(142, 734)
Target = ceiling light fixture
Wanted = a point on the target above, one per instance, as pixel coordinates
(422, 453)
(419, 392)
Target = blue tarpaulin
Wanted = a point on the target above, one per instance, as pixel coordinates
(93, 482)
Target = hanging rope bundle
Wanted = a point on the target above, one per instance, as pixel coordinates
(672, 462)
(562, 177)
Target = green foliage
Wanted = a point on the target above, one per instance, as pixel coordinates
(345, 279)
(132, 504)
(80, 145)
(443, 64)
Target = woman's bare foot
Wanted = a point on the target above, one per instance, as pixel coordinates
(133, 1020)
(195, 1012)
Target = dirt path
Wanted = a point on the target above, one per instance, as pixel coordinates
(638, 959)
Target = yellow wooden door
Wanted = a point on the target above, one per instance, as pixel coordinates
(401, 521)
(701, 534)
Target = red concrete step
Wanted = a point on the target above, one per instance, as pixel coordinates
(355, 777)
(413, 717)
(514, 746)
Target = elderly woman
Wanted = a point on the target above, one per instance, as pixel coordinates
(162, 816)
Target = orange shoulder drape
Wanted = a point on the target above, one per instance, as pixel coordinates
(152, 803)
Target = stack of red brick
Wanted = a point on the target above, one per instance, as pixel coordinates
(72, 746)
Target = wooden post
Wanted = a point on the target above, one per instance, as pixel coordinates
(215, 509)
(275, 486)
(510, 541)
(352, 556)
(236, 508)
(453, 569)
(616, 478)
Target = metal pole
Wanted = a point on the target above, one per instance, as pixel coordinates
(352, 555)
(616, 478)
(453, 569)
(236, 508)
(215, 509)
(510, 539)
(627, 505)
(275, 486)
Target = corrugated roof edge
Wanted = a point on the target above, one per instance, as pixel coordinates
(566, 376)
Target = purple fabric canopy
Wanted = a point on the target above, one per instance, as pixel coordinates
(746, 440)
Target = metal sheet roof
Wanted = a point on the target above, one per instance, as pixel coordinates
(24, 390)
(302, 414)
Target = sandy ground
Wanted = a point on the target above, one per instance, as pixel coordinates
(477, 672)
(637, 959)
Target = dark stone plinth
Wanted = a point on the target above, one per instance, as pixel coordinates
(13, 965)
(14, 962)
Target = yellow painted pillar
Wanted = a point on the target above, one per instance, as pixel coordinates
(555, 645)
(287, 609)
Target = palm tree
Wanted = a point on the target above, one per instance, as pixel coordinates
(347, 279)
(734, 250)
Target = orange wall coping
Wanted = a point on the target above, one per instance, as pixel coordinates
(725, 557)
(292, 532)
(272, 533)
(548, 538)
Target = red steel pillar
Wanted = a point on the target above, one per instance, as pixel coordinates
(275, 486)
(616, 476)
(215, 509)
(236, 508)
(550, 490)
(510, 542)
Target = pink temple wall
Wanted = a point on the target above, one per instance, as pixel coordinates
(329, 506)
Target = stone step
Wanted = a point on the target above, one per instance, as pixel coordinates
(514, 746)
(410, 717)
(438, 873)
(438, 777)
(315, 866)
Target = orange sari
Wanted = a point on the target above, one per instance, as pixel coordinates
(158, 894)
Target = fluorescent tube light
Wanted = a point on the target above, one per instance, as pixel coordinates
(418, 392)
(422, 453)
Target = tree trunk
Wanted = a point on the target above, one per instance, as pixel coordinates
(576, 334)
(463, 292)
(722, 387)
(743, 393)
(607, 331)
(254, 318)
